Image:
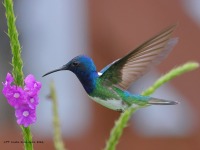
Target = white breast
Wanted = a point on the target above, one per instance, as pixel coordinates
(111, 103)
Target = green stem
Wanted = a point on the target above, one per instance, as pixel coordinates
(189, 66)
(117, 130)
(27, 138)
(58, 143)
(121, 123)
(17, 62)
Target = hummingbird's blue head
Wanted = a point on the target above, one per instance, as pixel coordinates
(83, 67)
(81, 64)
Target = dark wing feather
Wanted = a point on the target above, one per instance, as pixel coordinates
(124, 71)
(108, 66)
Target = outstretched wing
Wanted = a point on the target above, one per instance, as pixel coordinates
(124, 71)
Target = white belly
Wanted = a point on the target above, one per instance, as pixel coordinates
(113, 104)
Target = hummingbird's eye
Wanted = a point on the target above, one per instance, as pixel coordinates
(75, 64)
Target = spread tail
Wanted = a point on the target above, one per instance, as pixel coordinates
(155, 101)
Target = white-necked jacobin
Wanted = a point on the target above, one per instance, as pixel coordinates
(109, 86)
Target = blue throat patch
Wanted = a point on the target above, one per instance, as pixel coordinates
(86, 72)
(88, 80)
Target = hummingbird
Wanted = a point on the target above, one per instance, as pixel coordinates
(109, 86)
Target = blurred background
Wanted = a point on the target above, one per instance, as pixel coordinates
(53, 32)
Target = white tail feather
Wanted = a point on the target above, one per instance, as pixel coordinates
(155, 101)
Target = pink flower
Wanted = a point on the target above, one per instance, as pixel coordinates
(25, 116)
(23, 100)
(15, 95)
(33, 101)
(32, 87)
(9, 79)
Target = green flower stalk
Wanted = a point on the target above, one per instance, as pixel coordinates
(58, 143)
(28, 145)
(189, 66)
(121, 123)
(17, 62)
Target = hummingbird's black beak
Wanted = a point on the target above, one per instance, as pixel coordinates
(65, 67)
